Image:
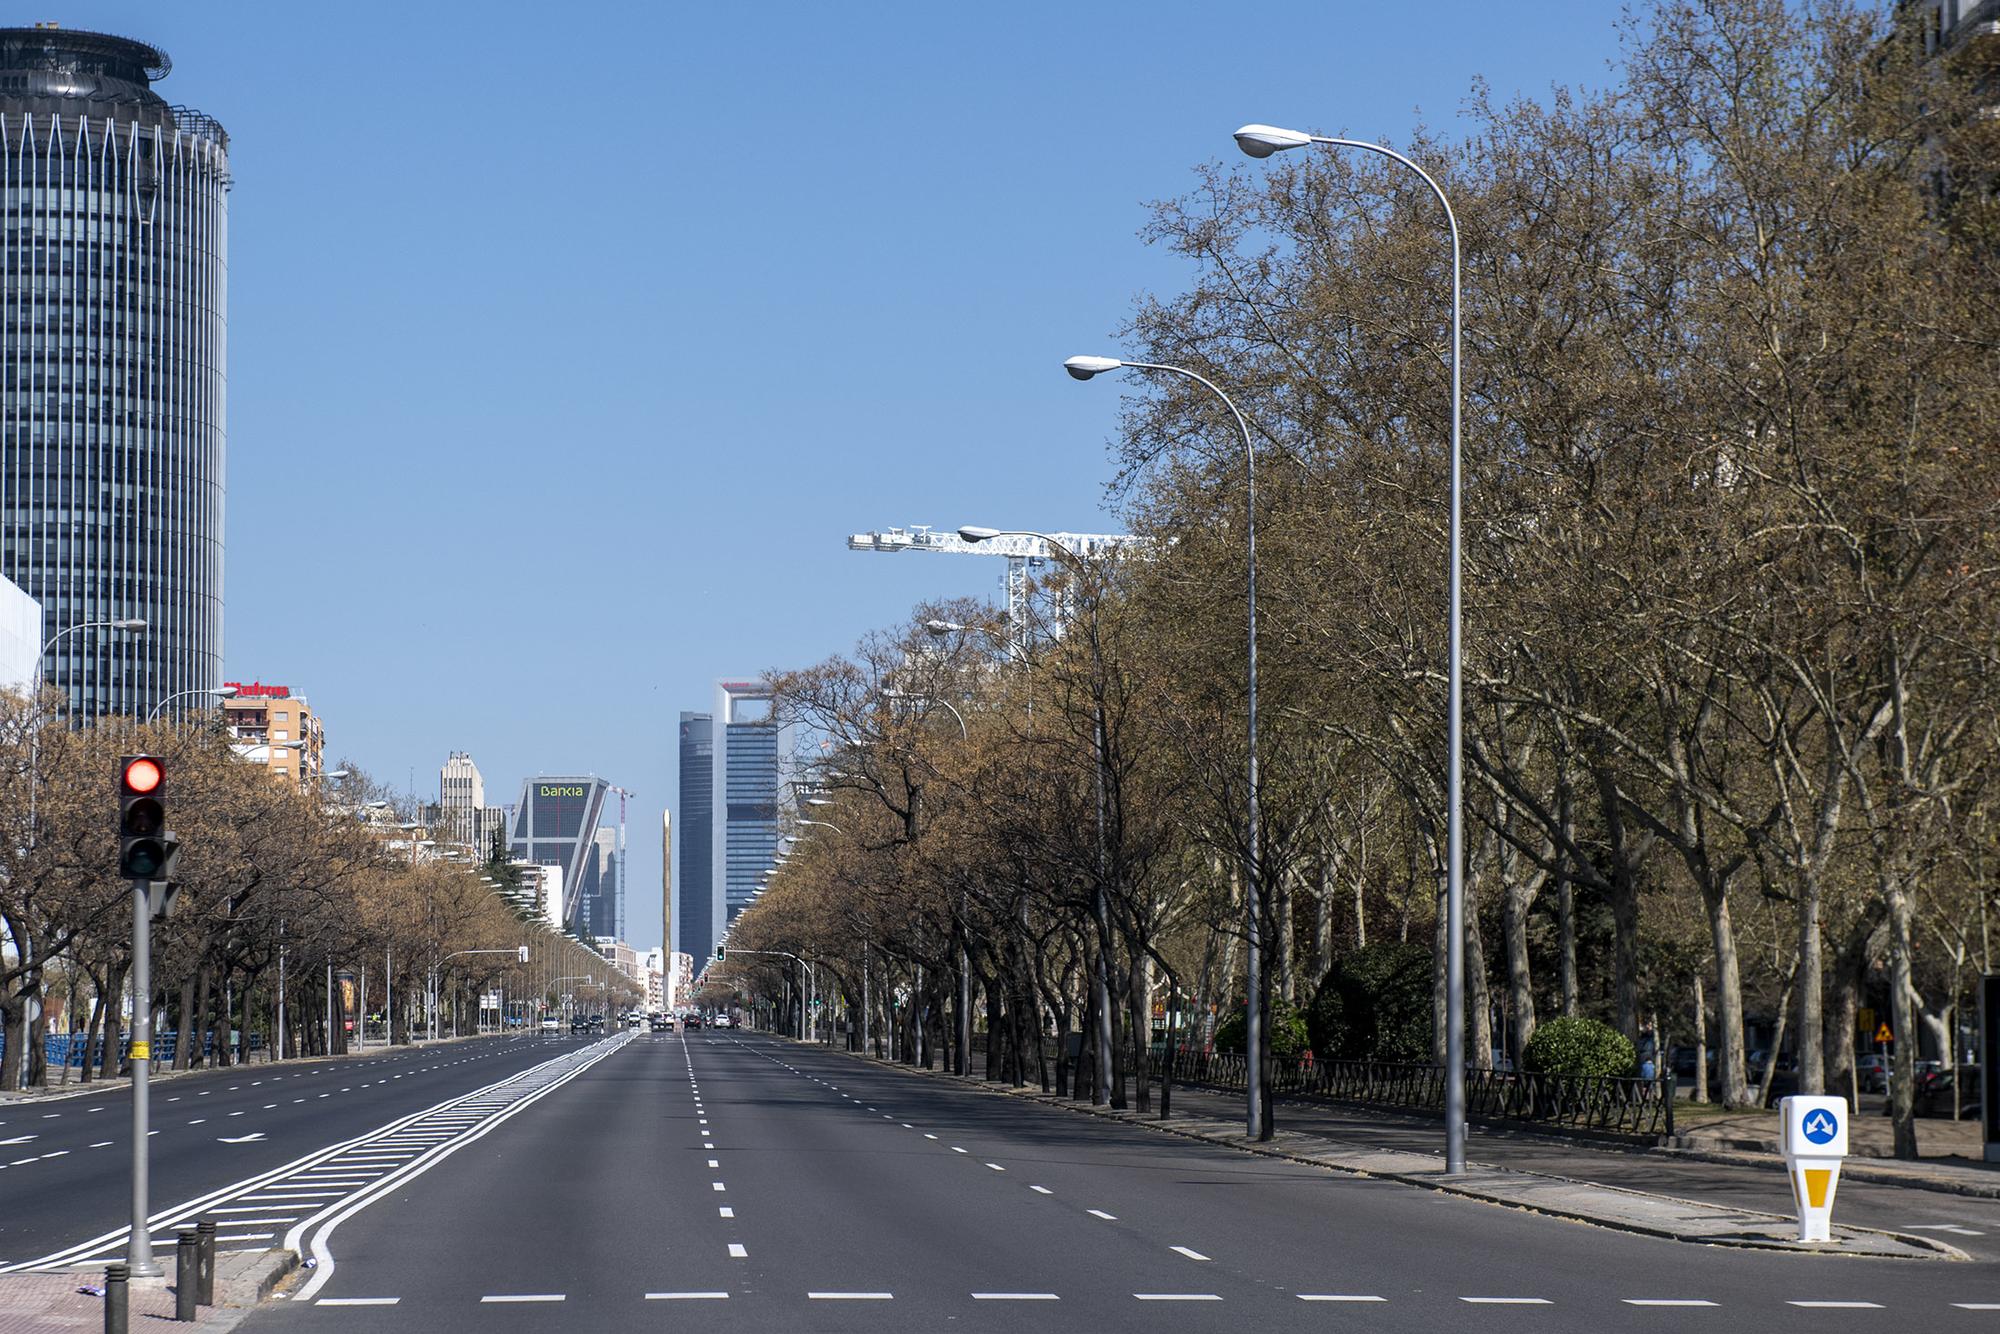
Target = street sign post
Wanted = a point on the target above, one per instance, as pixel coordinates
(1815, 1140)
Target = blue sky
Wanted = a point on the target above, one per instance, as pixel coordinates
(567, 343)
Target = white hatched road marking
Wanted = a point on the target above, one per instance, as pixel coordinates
(492, 1103)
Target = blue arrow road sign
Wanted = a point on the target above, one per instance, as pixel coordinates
(1820, 1126)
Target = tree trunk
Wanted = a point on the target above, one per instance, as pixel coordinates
(1518, 899)
(1700, 1040)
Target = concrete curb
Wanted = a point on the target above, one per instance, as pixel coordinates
(1509, 1187)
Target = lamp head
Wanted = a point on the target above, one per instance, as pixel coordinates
(1082, 368)
(130, 623)
(972, 532)
(224, 692)
(941, 628)
(1264, 140)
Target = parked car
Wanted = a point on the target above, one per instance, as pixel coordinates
(1933, 1092)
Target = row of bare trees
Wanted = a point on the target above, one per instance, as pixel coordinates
(331, 898)
(1733, 337)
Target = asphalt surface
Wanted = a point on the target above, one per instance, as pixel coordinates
(736, 1182)
(65, 1163)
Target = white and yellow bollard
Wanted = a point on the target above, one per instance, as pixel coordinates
(1815, 1140)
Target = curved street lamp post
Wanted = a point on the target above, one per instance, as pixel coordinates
(1261, 141)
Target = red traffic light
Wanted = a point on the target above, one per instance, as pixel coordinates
(142, 774)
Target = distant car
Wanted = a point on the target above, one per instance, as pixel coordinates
(720, 1021)
(551, 1026)
(659, 1023)
(692, 1021)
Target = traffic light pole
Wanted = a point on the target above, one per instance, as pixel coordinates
(139, 1260)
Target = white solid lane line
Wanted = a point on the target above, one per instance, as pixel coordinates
(1188, 1252)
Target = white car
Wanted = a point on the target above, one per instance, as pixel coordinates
(550, 1026)
(720, 1021)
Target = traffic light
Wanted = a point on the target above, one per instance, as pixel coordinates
(524, 954)
(720, 951)
(142, 817)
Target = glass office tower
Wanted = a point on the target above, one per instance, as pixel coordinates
(114, 283)
(695, 929)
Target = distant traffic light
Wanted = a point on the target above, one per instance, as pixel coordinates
(524, 954)
(142, 817)
(720, 951)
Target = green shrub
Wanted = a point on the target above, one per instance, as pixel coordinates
(1375, 1004)
(1288, 1031)
(1579, 1046)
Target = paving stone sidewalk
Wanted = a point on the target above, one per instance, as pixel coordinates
(61, 1303)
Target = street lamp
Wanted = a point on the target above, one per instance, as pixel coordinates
(1256, 1106)
(219, 692)
(1260, 141)
(890, 692)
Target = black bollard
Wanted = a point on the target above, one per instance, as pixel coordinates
(115, 1299)
(187, 1260)
(204, 1287)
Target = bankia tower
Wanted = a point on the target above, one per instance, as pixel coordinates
(112, 364)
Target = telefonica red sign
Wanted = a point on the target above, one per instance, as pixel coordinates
(258, 690)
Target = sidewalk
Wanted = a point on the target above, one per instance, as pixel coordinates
(71, 1299)
(1657, 1192)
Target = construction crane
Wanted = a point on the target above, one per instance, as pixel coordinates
(623, 797)
(1024, 554)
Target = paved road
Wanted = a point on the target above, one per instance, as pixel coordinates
(65, 1170)
(742, 1183)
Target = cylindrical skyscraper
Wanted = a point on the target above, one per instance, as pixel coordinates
(114, 280)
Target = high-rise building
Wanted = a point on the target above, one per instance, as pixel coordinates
(753, 763)
(114, 276)
(667, 881)
(696, 923)
(20, 637)
(461, 816)
(603, 899)
(556, 825)
(271, 726)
